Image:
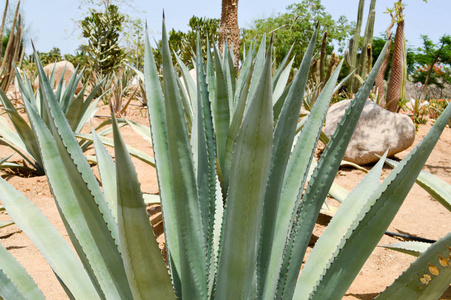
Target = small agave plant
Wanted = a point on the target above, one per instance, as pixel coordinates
(231, 172)
(22, 140)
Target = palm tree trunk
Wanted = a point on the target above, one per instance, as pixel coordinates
(229, 30)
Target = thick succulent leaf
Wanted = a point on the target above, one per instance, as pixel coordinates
(74, 194)
(221, 112)
(190, 85)
(281, 68)
(140, 129)
(229, 77)
(144, 264)
(295, 176)
(248, 177)
(336, 232)
(385, 203)
(282, 82)
(141, 155)
(22, 128)
(232, 136)
(283, 139)
(427, 278)
(205, 158)
(14, 275)
(307, 213)
(192, 242)
(157, 121)
(107, 170)
(338, 192)
(6, 223)
(50, 243)
(244, 76)
(258, 68)
(68, 95)
(409, 247)
(13, 140)
(435, 186)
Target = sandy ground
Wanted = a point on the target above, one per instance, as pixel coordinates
(420, 215)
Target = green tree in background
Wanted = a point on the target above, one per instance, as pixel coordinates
(184, 43)
(102, 29)
(433, 62)
(296, 26)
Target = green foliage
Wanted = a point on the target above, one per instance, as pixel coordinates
(102, 29)
(247, 242)
(295, 27)
(183, 44)
(433, 62)
(50, 57)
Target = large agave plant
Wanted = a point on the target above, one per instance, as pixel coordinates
(237, 218)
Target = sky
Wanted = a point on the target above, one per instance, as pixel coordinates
(52, 21)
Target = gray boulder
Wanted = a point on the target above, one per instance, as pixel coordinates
(59, 68)
(377, 130)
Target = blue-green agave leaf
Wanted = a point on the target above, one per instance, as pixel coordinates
(435, 186)
(248, 177)
(409, 247)
(157, 121)
(14, 275)
(50, 243)
(385, 203)
(144, 264)
(191, 238)
(283, 139)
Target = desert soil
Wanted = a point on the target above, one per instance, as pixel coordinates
(420, 215)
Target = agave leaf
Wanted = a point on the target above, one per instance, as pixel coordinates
(8, 290)
(338, 192)
(281, 67)
(69, 92)
(5, 223)
(22, 128)
(232, 136)
(141, 155)
(80, 198)
(320, 184)
(248, 177)
(107, 170)
(427, 278)
(205, 157)
(283, 139)
(282, 82)
(258, 68)
(140, 250)
(335, 234)
(385, 203)
(14, 275)
(192, 241)
(140, 129)
(50, 243)
(410, 247)
(190, 85)
(244, 76)
(221, 111)
(157, 121)
(435, 186)
(294, 180)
